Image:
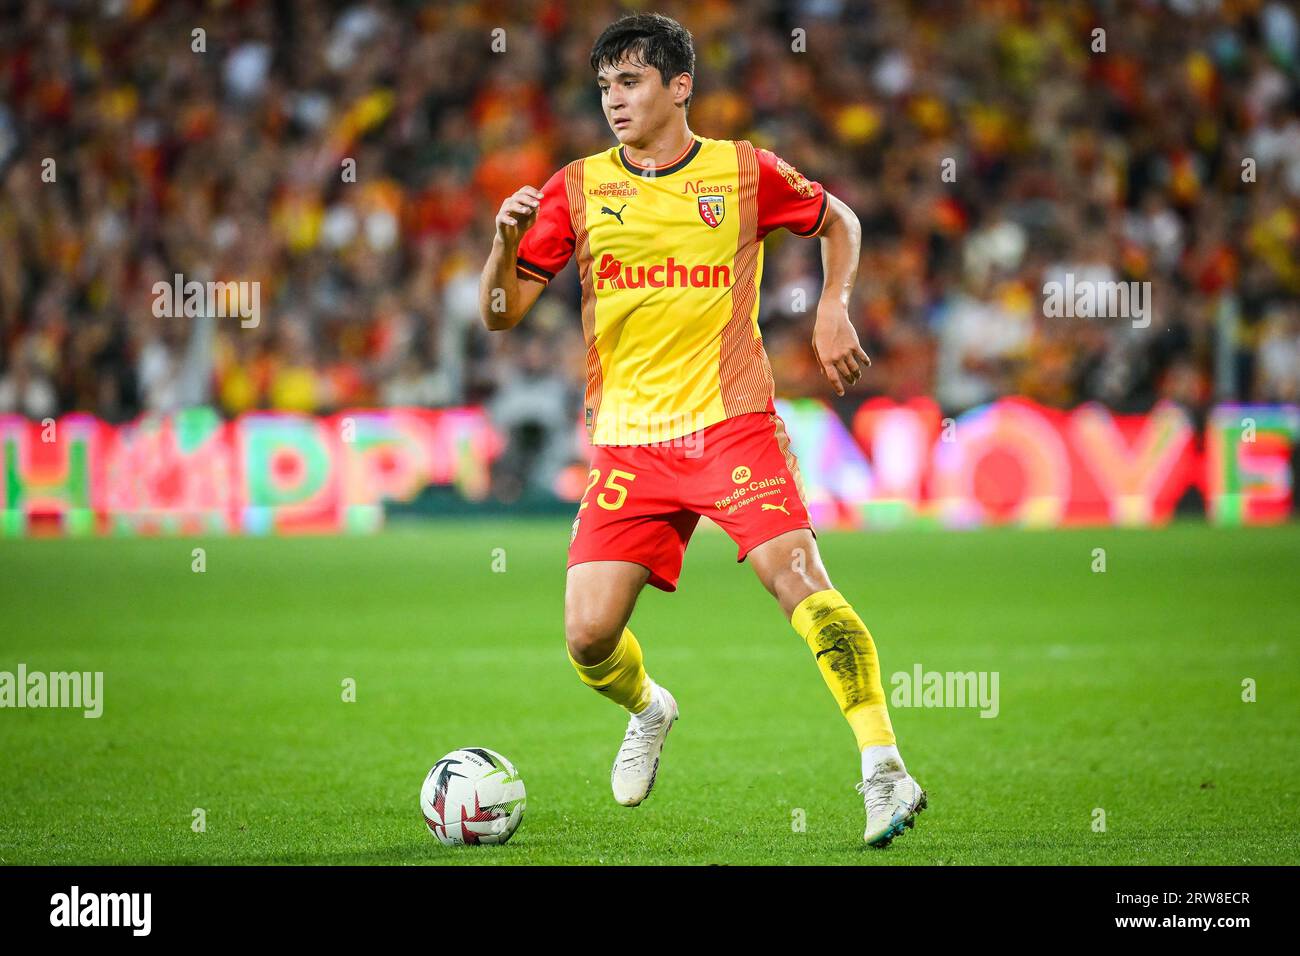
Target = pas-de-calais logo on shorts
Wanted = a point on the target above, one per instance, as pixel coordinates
(573, 536)
(741, 473)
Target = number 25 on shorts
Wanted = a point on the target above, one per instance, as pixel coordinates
(612, 484)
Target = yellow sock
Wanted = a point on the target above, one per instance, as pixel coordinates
(846, 656)
(621, 677)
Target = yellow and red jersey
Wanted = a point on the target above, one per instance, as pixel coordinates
(670, 260)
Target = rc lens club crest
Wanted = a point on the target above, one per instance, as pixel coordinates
(713, 209)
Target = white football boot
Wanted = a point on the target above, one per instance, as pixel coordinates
(893, 799)
(633, 774)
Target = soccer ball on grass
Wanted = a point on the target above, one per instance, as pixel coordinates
(473, 795)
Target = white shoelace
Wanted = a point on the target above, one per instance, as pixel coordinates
(637, 742)
(881, 793)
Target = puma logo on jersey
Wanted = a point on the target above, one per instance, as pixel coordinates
(780, 507)
(617, 215)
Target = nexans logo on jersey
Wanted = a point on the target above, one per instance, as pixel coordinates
(670, 259)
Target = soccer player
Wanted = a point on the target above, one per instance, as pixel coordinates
(668, 229)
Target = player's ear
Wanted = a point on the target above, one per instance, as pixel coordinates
(682, 86)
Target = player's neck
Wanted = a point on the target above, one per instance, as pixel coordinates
(665, 148)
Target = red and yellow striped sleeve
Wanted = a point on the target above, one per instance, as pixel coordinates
(547, 246)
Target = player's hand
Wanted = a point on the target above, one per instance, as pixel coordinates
(835, 343)
(517, 215)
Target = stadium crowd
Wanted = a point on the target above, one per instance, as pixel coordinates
(133, 148)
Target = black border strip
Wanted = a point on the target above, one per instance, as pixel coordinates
(188, 901)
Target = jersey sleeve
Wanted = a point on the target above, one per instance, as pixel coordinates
(547, 246)
(786, 199)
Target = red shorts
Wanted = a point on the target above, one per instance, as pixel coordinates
(642, 502)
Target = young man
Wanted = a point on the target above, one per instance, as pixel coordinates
(668, 229)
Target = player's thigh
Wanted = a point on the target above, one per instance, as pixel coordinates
(599, 597)
(631, 512)
(748, 482)
(790, 567)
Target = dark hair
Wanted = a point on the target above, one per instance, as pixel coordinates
(652, 39)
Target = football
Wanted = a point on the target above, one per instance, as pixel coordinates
(472, 796)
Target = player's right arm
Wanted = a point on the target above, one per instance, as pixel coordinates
(534, 239)
(504, 296)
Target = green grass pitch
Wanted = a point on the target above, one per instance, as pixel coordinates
(223, 691)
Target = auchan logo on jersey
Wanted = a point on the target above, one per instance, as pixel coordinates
(660, 275)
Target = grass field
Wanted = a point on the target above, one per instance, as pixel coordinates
(1119, 690)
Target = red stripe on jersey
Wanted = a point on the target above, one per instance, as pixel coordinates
(573, 184)
(744, 375)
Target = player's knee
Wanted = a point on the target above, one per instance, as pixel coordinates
(591, 636)
(791, 586)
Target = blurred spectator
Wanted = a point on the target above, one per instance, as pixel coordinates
(1279, 355)
(350, 157)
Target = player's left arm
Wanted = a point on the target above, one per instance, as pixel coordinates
(835, 341)
(788, 200)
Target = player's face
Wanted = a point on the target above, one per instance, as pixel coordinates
(635, 101)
